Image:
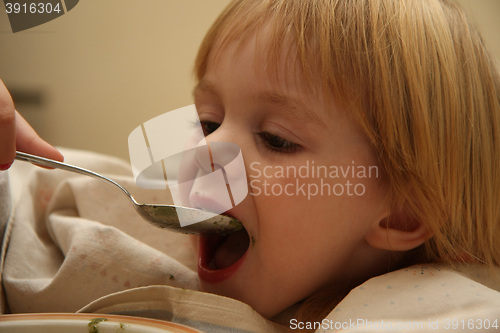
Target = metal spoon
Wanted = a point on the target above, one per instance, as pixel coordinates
(162, 216)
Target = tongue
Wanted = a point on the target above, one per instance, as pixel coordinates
(233, 248)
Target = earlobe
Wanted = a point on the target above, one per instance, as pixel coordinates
(397, 233)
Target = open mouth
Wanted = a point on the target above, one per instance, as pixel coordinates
(220, 256)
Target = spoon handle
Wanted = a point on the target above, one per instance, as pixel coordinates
(47, 162)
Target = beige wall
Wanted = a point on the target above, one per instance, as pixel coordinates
(107, 66)
(486, 16)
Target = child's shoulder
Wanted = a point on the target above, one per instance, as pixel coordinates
(422, 297)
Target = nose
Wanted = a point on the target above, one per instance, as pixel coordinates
(220, 183)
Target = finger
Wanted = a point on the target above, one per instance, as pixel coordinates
(28, 141)
(7, 128)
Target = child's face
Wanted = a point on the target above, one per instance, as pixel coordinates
(300, 240)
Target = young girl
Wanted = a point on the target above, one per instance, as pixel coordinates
(405, 86)
(370, 130)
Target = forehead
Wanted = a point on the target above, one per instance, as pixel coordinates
(279, 84)
(296, 33)
(277, 69)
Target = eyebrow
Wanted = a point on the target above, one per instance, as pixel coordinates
(205, 86)
(299, 110)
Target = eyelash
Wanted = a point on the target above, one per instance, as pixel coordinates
(208, 131)
(273, 142)
(277, 144)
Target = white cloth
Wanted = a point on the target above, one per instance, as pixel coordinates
(73, 243)
(428, 298)
(5, 212)
(73, 239)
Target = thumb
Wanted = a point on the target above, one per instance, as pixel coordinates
(28, 141)
(7, 128)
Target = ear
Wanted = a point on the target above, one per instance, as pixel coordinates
(397, 232)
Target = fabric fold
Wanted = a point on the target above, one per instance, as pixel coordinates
(204, 311)
(75, 239)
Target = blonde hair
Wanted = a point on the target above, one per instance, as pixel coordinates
(417, 76)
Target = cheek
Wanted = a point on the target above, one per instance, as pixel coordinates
(306, 246)
(321, 202)
(323, 209)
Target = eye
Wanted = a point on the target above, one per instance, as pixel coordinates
(277, 144)
(209, 127)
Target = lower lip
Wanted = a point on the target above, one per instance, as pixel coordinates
(214, 275)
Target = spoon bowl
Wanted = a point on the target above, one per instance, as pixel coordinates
(161, 216)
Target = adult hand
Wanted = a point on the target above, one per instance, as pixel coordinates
(17, 134)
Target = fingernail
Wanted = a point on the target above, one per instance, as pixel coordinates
(4, 167)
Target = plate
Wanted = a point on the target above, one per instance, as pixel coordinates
(86, 323)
